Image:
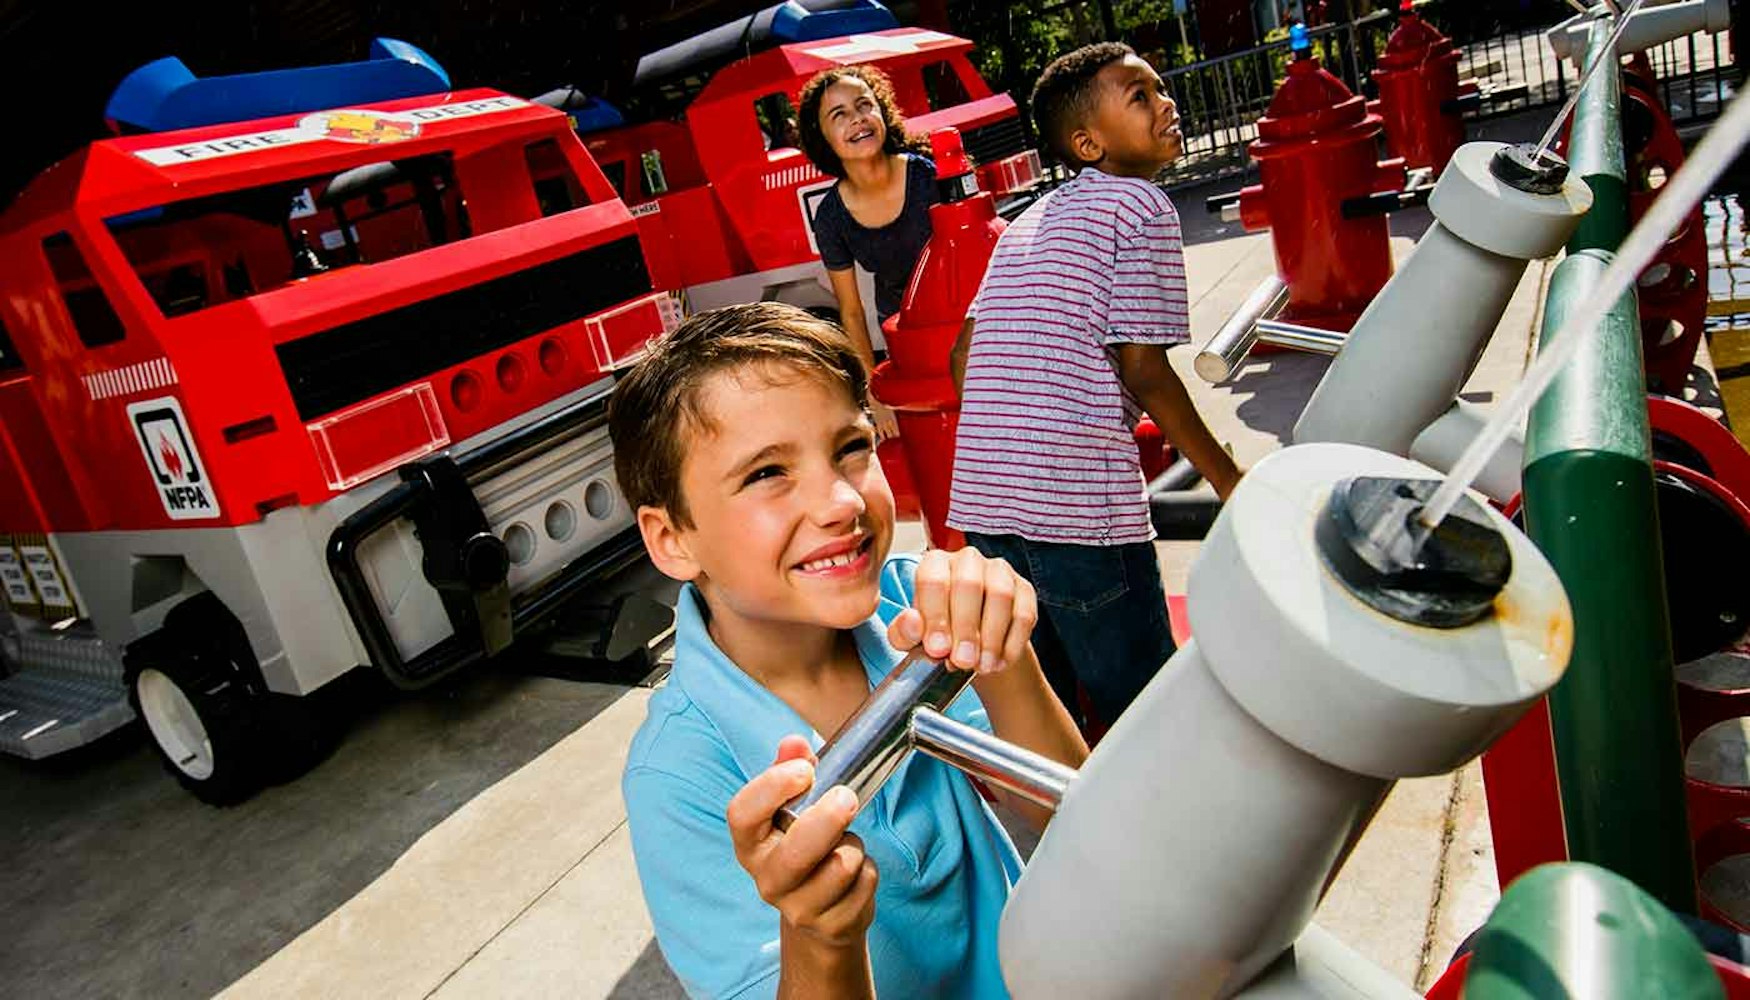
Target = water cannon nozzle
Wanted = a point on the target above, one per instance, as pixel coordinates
(1371, 539)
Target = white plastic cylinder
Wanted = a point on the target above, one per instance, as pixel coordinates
(1193, 847)
(1651, 25)
(1443, 441)
(1412, 349)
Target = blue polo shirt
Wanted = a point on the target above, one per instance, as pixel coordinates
(946, 864)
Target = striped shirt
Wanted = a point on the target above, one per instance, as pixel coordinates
(1045, 448)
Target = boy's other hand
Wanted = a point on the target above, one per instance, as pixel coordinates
(975, 613)
(815, 874)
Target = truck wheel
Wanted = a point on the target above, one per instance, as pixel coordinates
(203, 724)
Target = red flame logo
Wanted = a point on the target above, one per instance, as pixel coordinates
(171, 458)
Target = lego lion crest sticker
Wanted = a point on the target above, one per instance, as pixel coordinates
(176, 467)
(369, 127)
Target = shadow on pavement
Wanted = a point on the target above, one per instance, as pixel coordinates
(648, 978)
(1276, 387)
(112, 858)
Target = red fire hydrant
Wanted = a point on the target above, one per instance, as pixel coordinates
(914, 379)
(1420, 98)
(1315, 151)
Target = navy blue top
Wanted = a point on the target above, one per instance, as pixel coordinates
(888, 252)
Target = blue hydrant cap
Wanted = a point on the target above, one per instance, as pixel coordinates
(1297, 39)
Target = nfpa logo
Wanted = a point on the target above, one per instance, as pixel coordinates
(171, 457)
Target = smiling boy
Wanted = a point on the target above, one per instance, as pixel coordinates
(744, 442)
(1083, 295)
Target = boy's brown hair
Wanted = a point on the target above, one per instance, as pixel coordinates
(655, 408)
(808, 127)
(1063, 99)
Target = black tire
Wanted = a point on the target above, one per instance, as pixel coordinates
(213, 750)
(219, 732)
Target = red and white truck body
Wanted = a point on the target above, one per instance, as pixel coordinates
(286, 397)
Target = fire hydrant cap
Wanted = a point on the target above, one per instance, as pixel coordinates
(1410, 43)
(949, 152)
(1309, 102)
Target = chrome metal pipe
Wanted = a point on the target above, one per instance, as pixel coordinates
(1224, 351)
(1311, 339)
(1032, 776)
(870, 745)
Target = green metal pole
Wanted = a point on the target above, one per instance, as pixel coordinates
(1590, 506)
(1595, 154)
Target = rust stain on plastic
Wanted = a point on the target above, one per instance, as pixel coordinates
(1555, 631)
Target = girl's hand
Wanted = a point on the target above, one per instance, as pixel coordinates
(815, 874)
(886, 424)
(973, 612)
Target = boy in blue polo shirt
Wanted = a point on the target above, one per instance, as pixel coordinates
(744, 443)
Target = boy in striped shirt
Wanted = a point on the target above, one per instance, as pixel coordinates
(1083, 295)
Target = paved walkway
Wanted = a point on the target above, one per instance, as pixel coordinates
(529, 890)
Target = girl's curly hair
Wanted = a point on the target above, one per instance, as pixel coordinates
(814, 143)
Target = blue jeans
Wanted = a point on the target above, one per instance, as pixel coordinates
(1102, 616)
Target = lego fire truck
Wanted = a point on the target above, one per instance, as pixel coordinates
(722, 193)
(303, 372)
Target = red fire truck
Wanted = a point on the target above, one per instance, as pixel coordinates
(722, 194)
(284, 397)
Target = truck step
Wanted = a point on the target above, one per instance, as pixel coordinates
(67, 692)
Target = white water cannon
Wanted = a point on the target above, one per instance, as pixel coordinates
(1338, 647)
(1654, 24)
(1393, 386)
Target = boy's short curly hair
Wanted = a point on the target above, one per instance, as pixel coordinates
(1063, 99)
(814, 143)
(655, 410)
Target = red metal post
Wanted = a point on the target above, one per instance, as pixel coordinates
(915, 380)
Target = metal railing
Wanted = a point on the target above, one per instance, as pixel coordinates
(1221, 99)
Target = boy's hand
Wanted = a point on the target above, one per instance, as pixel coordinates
(973, 612)
(815, 874)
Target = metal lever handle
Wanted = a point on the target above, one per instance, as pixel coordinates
(870, 745)
(905, 712)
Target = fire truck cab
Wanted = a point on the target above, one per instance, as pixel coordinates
(287, 396)
(722, 193)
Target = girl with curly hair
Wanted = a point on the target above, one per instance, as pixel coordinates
(877, 215)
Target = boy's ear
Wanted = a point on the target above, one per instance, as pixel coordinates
(1086, 146)
(667, 544)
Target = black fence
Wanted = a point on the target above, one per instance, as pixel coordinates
(1501, 48)
(1222, 99)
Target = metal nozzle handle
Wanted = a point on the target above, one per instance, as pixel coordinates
(1224, 351)
(905, 712)
(867, 749)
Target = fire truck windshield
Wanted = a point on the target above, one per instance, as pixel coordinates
(206, 251)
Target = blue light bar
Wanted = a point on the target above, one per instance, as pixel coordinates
(792, 22)
(588, 114)
(164, 94)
